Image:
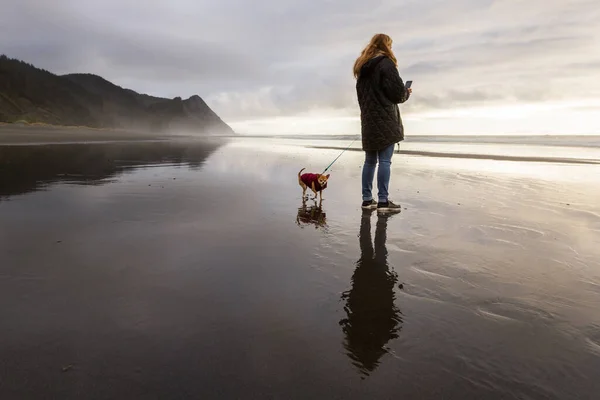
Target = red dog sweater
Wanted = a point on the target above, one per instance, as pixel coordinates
(308, 180)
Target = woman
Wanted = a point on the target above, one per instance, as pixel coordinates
(380, 89)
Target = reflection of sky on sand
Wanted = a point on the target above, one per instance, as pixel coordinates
(528, 194)
(501, 269)
(284, 154)
(270, 162)
(536, 170)
(539, 196)
(581, 149)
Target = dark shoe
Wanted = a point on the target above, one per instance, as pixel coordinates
(388, 206)
(369, 204)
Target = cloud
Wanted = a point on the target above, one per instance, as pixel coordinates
(268, 58)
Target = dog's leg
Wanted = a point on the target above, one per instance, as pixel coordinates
(304, 187)
(302, 184)
(314, 190)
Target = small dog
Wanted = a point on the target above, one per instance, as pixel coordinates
(316, 182)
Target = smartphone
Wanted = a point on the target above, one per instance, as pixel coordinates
(408, 84)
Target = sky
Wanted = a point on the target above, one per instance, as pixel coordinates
(283, 66)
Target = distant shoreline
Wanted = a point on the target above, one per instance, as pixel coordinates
(22, 134)
(26, 124)
(43, 133)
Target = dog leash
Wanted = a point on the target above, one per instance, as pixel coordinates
(343, 151)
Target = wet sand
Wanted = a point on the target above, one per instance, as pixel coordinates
(495, 157)
(194, 270)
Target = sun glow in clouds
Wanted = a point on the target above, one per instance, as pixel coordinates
(567, 117)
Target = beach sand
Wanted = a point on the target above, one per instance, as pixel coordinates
(183, 269)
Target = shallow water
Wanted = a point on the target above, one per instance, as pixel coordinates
(186, 269)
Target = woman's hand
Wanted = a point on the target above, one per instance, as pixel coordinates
(409, 90)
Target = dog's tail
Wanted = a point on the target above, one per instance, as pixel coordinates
(300, 173)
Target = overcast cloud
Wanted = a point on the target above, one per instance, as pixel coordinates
(256, 60)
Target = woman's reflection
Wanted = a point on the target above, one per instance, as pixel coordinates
(372, 317)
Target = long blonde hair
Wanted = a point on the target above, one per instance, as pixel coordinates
(380, 44)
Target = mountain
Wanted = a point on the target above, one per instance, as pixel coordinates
(32, 94)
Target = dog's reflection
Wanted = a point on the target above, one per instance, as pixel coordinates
(372, 318)
(311, 215)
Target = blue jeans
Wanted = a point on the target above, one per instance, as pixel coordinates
(383, 173)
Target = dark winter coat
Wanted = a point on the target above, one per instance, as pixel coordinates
(380, 89)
